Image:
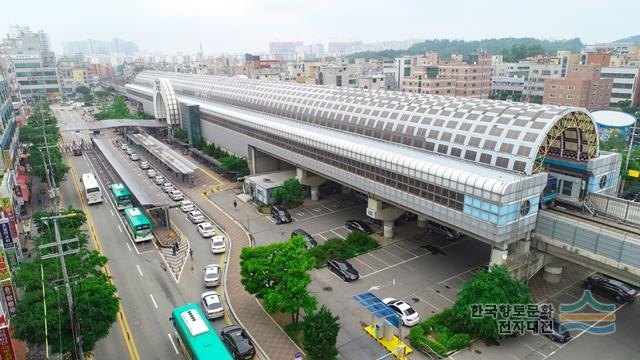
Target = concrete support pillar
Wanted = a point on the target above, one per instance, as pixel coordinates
(499, 256)
(388, 228)
(523, 247)
(422, 221)
(315, 193)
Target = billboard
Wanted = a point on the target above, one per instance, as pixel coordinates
(507, 83)
(7, 210)
(9, 297)
(4, 270)
(6, 349)
(5, 233)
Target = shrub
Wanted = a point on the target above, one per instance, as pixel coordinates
(438, 333)
(459, 341)
(320, 254)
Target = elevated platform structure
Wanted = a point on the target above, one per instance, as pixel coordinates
(479, 166)
(108, 124)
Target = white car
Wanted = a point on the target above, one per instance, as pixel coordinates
(195, 217)
(144, 165)
(406, 313)
(134, 157)
(211, 275)
(128, 151)
(206, 229)
(217, 244)
(151, 173)
(166, 187)
(176, 195)
(124, 147)
(186, 206)
(158, 180)
(212, 305)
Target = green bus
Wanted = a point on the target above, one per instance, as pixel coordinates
(197, 339)
(121, 195)
(138, 224)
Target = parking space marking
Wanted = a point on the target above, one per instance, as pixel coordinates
(401, 248)
(363, 263)
(442, 296)
(392, 254)
(424, 301)
(377, 258)
(532, 349)
(338, 234)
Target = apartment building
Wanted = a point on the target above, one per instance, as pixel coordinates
(626, 84)
(340, 75)
(583, 87)
(427, 80)
(472, 80)
(33, 78)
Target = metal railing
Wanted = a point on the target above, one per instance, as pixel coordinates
(610, 206)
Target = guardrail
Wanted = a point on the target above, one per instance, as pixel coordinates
(621, 209)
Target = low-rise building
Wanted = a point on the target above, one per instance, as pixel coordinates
(626, 84)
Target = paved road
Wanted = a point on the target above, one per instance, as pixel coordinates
(147, 292)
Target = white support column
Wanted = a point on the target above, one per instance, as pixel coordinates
(315, 193)
(422, 221)
(499, 256)
(388, 228)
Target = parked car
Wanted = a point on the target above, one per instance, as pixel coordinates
(195, 217)
(211, 275)
(176, 195)
(77, 151)
(439, 229)
(186, 206)
(309, 241)
(555, 332)
(406, 313)
(212, 305)
(206, 229)
(144, 165)
(611, 288)
(343, 269)
(217, 244)
(238, 342)
(358, 225)
(124, 147)
(128, 151)
(134, 157)
(280, 214)
(167, 187)
(158, 180)
(151, 173)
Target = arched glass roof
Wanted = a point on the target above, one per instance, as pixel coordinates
(509, 136)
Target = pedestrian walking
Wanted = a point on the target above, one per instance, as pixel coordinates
(175, 251)
(191, 253)
(235, 204)
(177, 246)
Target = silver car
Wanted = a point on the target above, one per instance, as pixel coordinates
(212, 305)
(211, 275)
(158, 180)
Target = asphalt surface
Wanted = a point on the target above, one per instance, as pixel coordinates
(147, 292)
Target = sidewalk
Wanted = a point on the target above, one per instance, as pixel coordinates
(244, 307)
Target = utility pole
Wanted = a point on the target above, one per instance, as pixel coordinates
(51, 181)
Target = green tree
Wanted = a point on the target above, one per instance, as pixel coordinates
(95, 300)
(290, 193)
(81, 89)
(279, 275)
(320, 334)
(495, 286)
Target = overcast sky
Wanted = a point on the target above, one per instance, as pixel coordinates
(237, 26)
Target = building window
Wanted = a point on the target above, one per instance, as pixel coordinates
(571, 87)
(554, 86)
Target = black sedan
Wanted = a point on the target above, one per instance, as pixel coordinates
(611, 288)
(238, 342)
(358, 225)
(343, 269)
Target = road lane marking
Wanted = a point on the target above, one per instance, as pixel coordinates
(111, 211)
(119, 228)
(140, 271)
(154, 301)
(127, 334)
(128, 246)
(172, 343)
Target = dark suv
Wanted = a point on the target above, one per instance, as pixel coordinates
(309, 241)
(612, 288)
(280, 214)
(238, 342)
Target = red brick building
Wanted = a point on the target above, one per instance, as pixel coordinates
(583, 87)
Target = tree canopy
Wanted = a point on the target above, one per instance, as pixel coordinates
(117, 110)
(81, 89)
(290, 193)
(495, 286)
(95, 300)
(279, 275)
(320, 334)
(39, 134)
(446, 47)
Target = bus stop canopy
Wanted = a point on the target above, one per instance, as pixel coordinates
(139, 189)
(168, 156)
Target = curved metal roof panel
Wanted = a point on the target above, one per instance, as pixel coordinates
(499, 134)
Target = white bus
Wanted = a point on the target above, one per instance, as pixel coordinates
(91, 189)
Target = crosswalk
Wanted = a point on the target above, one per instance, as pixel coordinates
(68, 147)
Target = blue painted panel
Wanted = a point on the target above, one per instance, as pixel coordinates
(566, 164)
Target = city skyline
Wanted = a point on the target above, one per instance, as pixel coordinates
(249, 26)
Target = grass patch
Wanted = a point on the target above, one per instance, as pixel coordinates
(295, 332)
(443, 333)
(355, 244)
